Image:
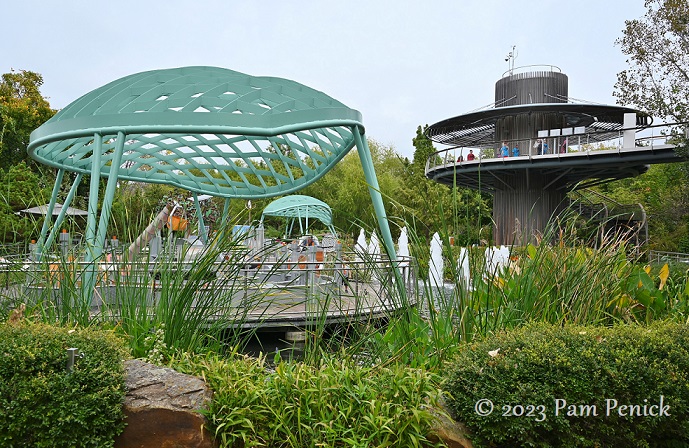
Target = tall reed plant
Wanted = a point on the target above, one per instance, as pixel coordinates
(188, 298)
(558, 279)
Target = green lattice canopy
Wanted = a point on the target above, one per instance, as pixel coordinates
(300, 207)
(206, 129)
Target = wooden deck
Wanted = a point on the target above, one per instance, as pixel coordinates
(268, 308)
(294, 309)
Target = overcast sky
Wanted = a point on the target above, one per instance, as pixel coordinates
(400, 63)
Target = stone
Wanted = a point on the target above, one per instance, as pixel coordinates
(162, 409)
(453, 433)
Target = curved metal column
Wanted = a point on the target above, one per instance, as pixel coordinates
(49, 214)
(374, 191)
(90, 236)
(63, 213)
(96, 244)
(199, 216)
(109, 194)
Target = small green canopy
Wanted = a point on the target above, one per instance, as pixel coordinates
(298, 207)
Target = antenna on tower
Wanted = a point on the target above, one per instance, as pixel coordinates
(511, 56)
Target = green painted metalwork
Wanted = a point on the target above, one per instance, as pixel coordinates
(208, 130)
(61, 216)
(93, 197)
(374, 191)
(109, 193)
(202, 224)
(300, 207)
(49, 214)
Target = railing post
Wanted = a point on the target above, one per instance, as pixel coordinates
(629, 133)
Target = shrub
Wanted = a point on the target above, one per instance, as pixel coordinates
(527, 371)
(298, 405)
(44, 405)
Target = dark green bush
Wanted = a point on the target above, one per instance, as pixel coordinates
(44, 405)
(536, 365)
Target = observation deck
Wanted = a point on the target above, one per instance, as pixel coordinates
(581, 166)
(534, 144)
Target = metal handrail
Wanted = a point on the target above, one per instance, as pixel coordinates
(530, 68)
(658, 256)
(441, 158)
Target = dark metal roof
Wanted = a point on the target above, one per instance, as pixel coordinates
(477, 129)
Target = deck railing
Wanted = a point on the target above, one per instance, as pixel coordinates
(657, 135)
(656, 256)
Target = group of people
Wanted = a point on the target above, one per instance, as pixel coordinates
(470, 156)
(505, 150)
(540, 147)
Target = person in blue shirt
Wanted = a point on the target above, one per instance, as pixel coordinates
(545, 148)
(515, 150)
(505, 150)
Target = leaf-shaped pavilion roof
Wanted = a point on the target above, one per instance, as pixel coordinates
(206, 129)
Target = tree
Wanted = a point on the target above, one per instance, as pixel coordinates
(664, 195)
(462, 212)
(657, 47)
(423, 149)
(22, 109)
(19, 188)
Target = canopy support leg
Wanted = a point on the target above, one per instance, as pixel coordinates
(199, 216)
(374, 191)
(90, 236)
(61, 217)
(109, 194)
(49, 214)
(96, 235)
(377, 199)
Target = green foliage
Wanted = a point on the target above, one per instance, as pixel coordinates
(43, 404)
(134, 206)
(409, 197)
(538, 364)
(423, 150)
(664, 193)
(297, 405)
(642, 297)
(345, 190)
(22, 109)
(657, 47)
(188, 307)
(20, 188)
(429, 202)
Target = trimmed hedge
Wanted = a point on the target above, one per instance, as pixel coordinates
(555, 386)
(44, 405)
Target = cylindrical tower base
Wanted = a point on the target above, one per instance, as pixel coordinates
(521, 213)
